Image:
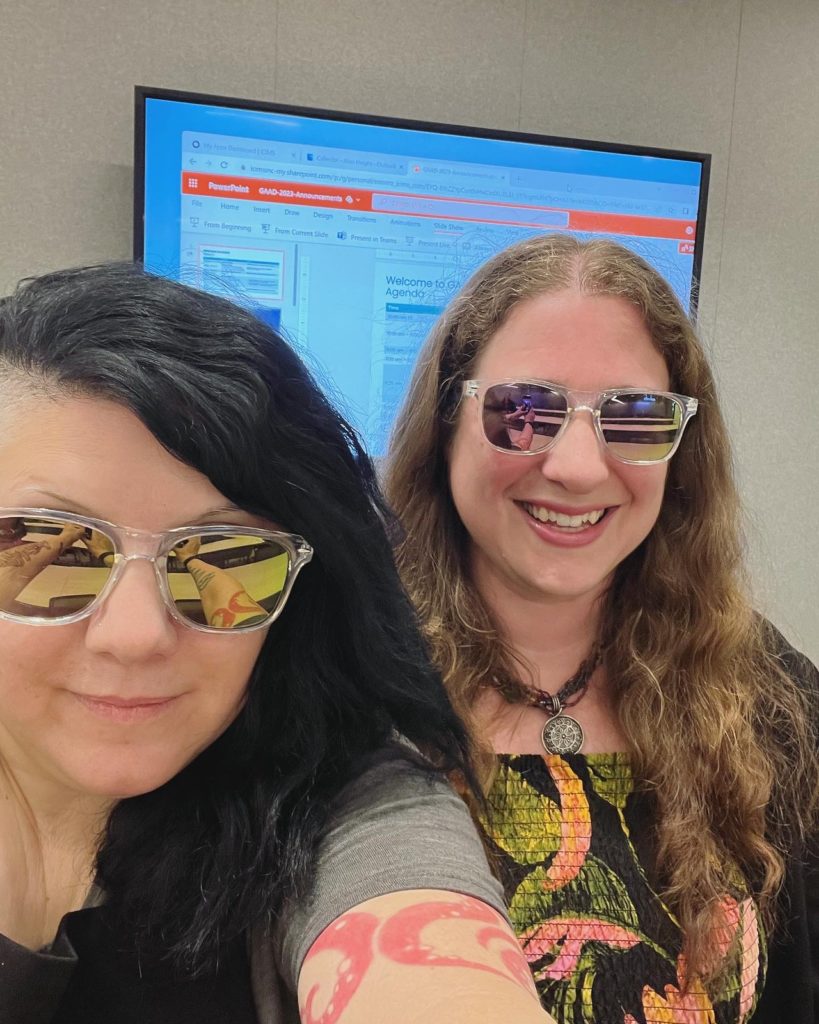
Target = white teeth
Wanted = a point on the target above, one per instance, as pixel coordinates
(546, 515)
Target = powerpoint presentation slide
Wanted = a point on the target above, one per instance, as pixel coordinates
(240, 270)
(351, 237)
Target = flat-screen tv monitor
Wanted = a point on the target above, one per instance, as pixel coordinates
(351, 232)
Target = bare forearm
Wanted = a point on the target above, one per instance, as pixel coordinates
(224, 601)
(19, 565)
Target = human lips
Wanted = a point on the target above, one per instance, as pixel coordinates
(122, 709)
(564, 525)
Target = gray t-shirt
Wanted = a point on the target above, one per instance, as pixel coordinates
(393, 829)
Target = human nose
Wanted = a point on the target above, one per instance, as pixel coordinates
(133, 624)
(577, 460)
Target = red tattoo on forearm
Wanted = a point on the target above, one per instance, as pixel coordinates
(400, 938)
(358, 937)
(226, 616)
(235, 602)
(351, 936)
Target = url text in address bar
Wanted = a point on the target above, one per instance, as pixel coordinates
(449, 208)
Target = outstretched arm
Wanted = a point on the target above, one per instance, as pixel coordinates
(21, 563)
(418, 957)
(225, 601)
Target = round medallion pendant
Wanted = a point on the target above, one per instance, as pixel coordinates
(562, 735)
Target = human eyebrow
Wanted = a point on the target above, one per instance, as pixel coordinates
(233, 515)
(218, 514)
(230, 515)
(59, 502)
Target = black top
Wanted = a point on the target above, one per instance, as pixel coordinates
(791, 993)
(91, 981)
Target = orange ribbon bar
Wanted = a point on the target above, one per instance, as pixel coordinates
(225, 186)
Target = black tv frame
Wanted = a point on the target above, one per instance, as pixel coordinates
(144, 92)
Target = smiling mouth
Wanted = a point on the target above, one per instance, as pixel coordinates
(569, 523)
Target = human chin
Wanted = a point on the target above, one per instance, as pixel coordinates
(128, 770)
(557, 572)
(590, 571)
(567, 581)
(116, 751)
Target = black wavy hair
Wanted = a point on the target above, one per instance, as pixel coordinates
(195, 863)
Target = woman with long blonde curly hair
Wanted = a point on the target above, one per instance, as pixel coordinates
(573, 547)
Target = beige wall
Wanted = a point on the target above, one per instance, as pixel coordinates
(737, 78)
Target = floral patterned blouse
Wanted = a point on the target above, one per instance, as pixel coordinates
(571, 837)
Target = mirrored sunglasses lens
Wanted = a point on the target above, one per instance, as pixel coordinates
(228, 581)
(641, 427)
(522, 417)
(50, 568)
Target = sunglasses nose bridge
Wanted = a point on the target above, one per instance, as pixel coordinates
(580, 402)
(158, 563)
(139, 544)
(141, 556)
(587, 400)
(151, 553)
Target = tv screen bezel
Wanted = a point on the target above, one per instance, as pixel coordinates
(144, 92)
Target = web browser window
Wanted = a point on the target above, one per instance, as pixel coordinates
(351, 237)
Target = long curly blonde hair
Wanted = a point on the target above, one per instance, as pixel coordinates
(721, 733)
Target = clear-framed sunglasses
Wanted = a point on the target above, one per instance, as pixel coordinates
(527, 417)
(58, 567)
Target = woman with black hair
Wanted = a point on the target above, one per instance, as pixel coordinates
(215, 808)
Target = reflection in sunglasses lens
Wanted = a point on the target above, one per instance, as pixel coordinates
(638, 427)
(54, 568)
(522, 417)
(228, 581)
(49, 568)
(641, 427)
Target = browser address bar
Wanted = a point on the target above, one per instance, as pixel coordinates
(452, 208)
